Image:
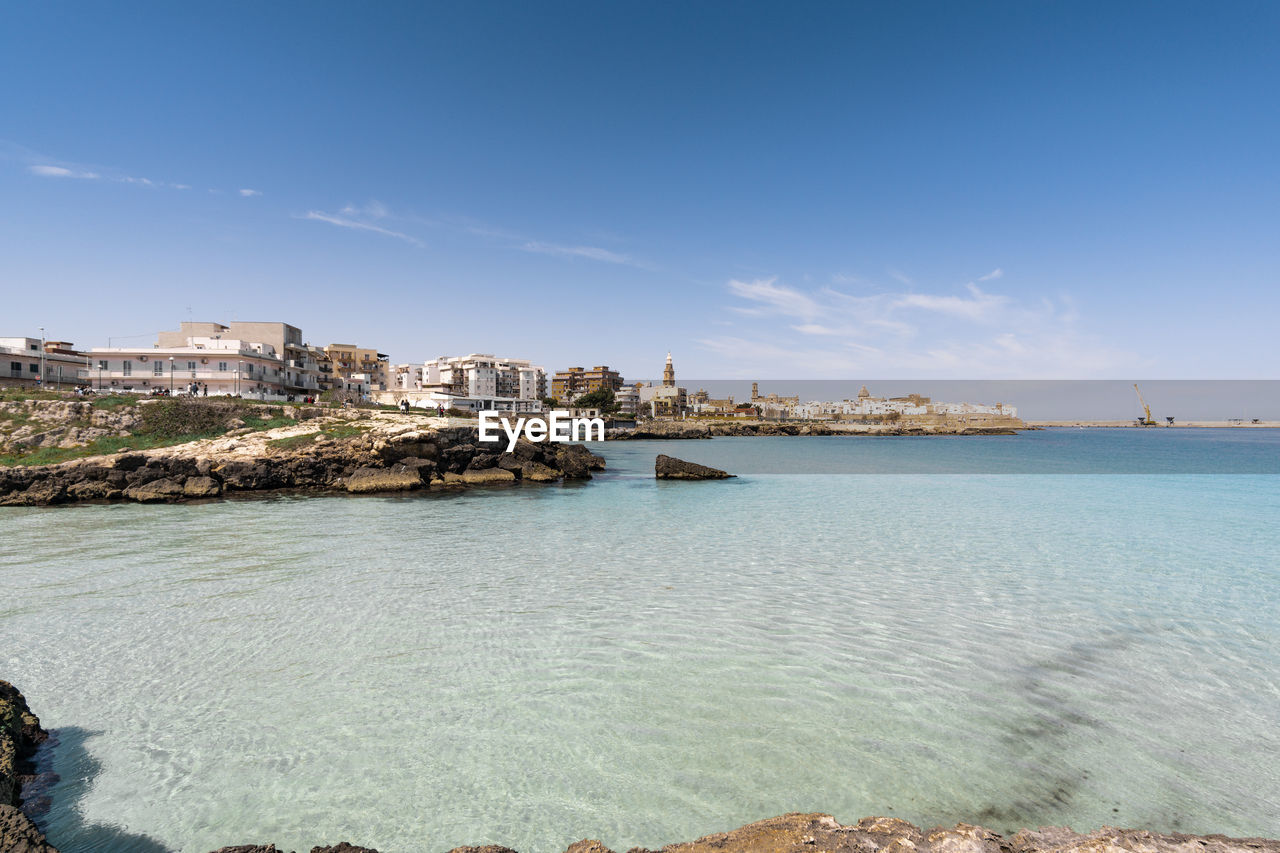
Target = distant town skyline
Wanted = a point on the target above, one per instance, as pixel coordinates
(836, 191)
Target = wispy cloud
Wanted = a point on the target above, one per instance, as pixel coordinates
(248, 193)
(53, 170)
(374, 209)
(507, 239)
(993, 275)
(977, 306)
(345, 222)
(769, 297)
(62, 172)
(376, 217)
(589, 252)
(830, 332)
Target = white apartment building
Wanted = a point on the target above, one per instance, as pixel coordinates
(477, 382)
(22, 359)
(628, 400)
(223, 366)
(210, 358)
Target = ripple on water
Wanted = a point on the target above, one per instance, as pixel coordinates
(644, 663)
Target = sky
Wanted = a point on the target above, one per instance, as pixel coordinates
(961, 190)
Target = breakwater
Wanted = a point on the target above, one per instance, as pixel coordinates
(715, 429)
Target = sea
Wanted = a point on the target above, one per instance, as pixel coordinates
(1062, 627)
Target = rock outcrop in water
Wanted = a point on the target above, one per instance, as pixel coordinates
(671, 468)
(358, 453)
(20, 734)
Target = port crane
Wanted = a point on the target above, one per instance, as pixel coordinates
(1146, 419)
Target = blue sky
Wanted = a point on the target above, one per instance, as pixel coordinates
(955, 190)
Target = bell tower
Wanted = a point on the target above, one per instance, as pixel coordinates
(669, 373)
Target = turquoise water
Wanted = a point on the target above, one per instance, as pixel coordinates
(645, 662)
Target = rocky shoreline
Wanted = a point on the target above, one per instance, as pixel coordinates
(822, 833)
(356, 453)
(21, 734)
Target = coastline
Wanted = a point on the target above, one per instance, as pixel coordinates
(729, 429)
(354, 453)
(1130, 424)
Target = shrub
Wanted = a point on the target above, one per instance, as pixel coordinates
(177, 417)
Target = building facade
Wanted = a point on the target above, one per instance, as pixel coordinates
(475, 382)
(667, 400)
(48, 364)
(357, 364)
(266, 361)
(300, 372)
(569, 385)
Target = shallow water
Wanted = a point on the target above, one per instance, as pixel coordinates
(645, 662)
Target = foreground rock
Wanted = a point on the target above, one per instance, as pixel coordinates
(821, 833)
(357, 453)
(20, 734)
(671, 468)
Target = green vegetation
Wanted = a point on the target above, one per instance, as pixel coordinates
(13, 395)
(343, 430)
(336, 431)
(163, 422)
(257, 423)
(294, 441)
(114, 401)
(601, 398)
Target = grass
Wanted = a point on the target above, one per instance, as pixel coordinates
(13, 395)
(114, 401)
(329, 431)
(344, 430)
(256, 423)
(163, 423)
(294, 441)
(98, 447)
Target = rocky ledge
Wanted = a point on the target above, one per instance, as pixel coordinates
(821, 833)
(662, 430)
(20, 734)
(377, 452)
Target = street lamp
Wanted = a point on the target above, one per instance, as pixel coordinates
(239, 367)
(170, 376)
(42, 363)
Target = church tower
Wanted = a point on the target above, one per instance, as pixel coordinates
(669, 373)
(755, 391)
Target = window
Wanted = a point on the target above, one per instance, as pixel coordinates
(222, 365)
(102, 365)
(34, 368)
(158, 368)
(127, 368)
(15, 367)
(191, 365)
